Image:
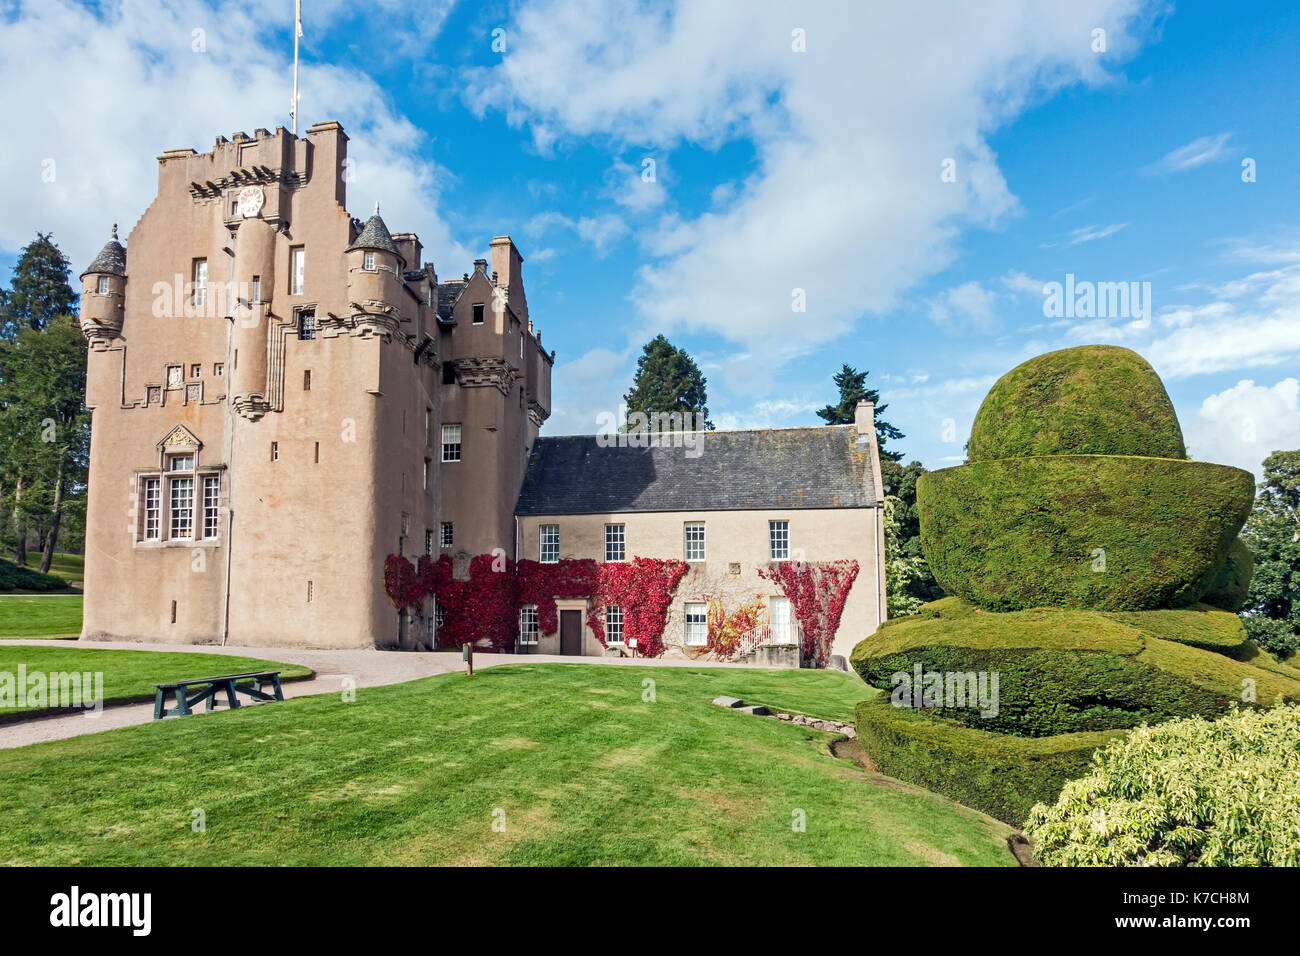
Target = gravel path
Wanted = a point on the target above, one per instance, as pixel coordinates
(366, 668)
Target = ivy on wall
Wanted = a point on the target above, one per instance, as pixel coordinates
(817, 592)
(485, 607)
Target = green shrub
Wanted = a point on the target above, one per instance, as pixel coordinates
(1201, 625)
(1272, 635)
(1000, 775)
(1030, 532)
(1065, 672)
(1231, 580)
(1189, 792)
(1090, 400)
(15, 578)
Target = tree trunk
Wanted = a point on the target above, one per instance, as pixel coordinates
(52, 536)
(20, 532)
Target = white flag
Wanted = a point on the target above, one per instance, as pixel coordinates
(298, 15)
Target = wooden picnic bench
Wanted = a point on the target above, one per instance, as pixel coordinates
(210, 687)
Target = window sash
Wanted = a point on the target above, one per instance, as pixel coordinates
(779, 540)
(211, 499)
(549, 546)
(200, 282)
(451, 445)
(695, 541)
(615, 542)
(447, 534)
(613, 624)
(697, 625)
(299, 271)
(528, 631)
(181, 510)
(152, 495)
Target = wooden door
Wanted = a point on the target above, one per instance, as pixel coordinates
(571, 632)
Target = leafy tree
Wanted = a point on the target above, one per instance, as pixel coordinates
(44, 425)
(907, 573)
(1272, 609)
(853, 389)
(39, 290)
(667, 382)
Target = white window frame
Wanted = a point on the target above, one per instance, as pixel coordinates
(695, 543)
(368, 260)
(180, 508)
(548, 544)
(452, 443)
(200, 276)
(211, 506)
(151, 501)
(102, 285)
(615, 538)
(428, 541)
(696, 617)
(613, 624)
(778, 540)
(784, 628)
(297, 269)
(528, 630)
(446, 534)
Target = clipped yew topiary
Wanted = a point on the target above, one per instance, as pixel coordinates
(1231, 580)
(1092, 570)
(1081, 530)
(1090, 400)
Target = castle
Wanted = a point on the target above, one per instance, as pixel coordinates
(283, 396)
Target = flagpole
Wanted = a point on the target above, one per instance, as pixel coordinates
(297, 32)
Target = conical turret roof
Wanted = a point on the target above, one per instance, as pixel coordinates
(375, 235)
(111, 259)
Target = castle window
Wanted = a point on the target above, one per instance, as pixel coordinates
(550, 544)
(778, 534)
(311, 591)
(448, 374)
(255, 294)
(528, 624)
(439, 614)
(448, 534)
(180, 463)
(307, 324)
(196, 371)
(697, 625)
(211, 495)
(695, 541)
(428, 542)
(200, 276)
(306, 380)
(613, 624)
(102, 287)
(615, 542)
(478, 313)
(275, 451)
(428, 469)
(368, 261)
(218, 370)
(428, 426)
(297, 269)
(451, 443)
(182, 508)
(151, 492)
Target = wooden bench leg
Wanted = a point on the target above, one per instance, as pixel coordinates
(182, 701)
(279, 694)
(230, 695)
(159, 699)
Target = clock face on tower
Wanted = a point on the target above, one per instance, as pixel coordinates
(250, 201)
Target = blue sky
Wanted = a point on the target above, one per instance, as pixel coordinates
(775, 169)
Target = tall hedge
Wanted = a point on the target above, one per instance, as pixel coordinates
(1105, 532)
(1090, 400)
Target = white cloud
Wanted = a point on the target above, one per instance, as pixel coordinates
(1244, 424)
(102, 93)
(969, 304)
(1093, 233)
(601, 231)
(1198, 152)
(845, 199)
(637, 188)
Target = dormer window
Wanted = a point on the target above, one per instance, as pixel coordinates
(180, 462)
(368, 261)
(102, 287)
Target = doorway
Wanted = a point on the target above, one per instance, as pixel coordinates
(571, 632)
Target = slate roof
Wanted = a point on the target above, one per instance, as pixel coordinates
(111, 259)
(375, 235)
(448, 293)
(785, 468)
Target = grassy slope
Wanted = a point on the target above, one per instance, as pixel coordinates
(132, 674)
(585, 771)
(70, 567)
(39, 615)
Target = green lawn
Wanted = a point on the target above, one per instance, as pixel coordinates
(70, 567)
(130, 675)
(40, 615)
(581, 769)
